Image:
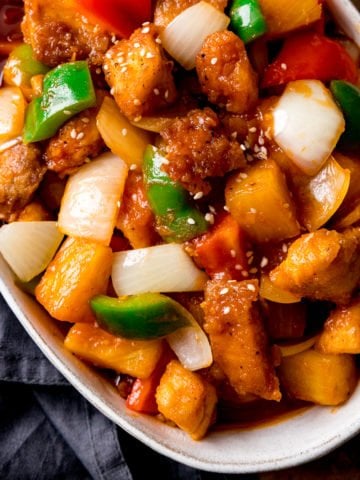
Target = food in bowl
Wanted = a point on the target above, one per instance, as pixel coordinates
(183, 195)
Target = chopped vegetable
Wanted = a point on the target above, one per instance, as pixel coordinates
(21, 66)
(310, 55)
(79, 271)
(28, 247)
(92, 198)
(162, 268)
(270, 291)
(307, 124)
(144, 316)
(132, 357)
(178, 220)
(12, 113)
(118, 16)
(287, 350)
(184, 36)
(319, 378)
(247, 19)
(282, 16)
(348, 98)
(68, 89)
(124, 139)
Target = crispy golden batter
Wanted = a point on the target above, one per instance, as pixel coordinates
(75, 142)
(58, 33)
(198, 147)
(167, 10)
(187, 399)
(21, 171)
(323, 265)
(225, 73)
(139, 74)
(238, 338)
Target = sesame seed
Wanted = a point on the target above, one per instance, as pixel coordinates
(105, 67)
(253, 210)
(166, 94)
(137, 45)
(201, 121)
(98, 71)
(158, 40)
(251, 287)
(73, 133)
(84, 19)
(80, 136)
(191, 221)
(261, 140)
(234, 135)
(252, 129)
(134, 197)
(249, 157)
(198, 195)
(249, 253)
(253, 270)
(113, 39)
(213, 61)
(142, 52)
(112, 91)
(244, 273)
(250, 260)
(233, 253)
(256, 148)
(242, 146)
(283, 66)
(137, 102)
(66, 112)
(124, 132)
(118, 203)
(108, 55)
(238, 266)
(247, 144)
(226, 208)
(85, 120)
(226, 310)
(286, 205)
(264, 262)
(133, 166)
(145, 24)
(212, 209)
(243, 175)
(145, 30)
(156, 91)
(284, 248)
(264, 150)
(209, 217)
(123, 70)
(138, 118)
(150, 55)
(224, 291)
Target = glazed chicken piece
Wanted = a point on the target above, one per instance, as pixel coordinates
(323, 265)
(238, 339)
(21, 171)
(140, 57)
(225, 73)
(74, 144)
(187, 399)
(167, 10)
(198, 147)
(58, 33)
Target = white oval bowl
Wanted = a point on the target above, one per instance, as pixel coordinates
(296, 440)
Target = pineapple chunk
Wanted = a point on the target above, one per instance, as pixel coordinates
(261, 203)
(319, 378)
(132, 357)
(283, 16)
(79, 271)
(342, 330)
(187, 399)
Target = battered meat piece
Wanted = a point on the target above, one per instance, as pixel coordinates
(139, 74)
(198, 147)
(76, 142)
(167, 10)
(225, 73)
(323, 265)
(21, 172)
(58, 33)
(237, 336)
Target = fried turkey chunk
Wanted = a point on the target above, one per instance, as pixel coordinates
(74, 144)
(58, 33)
(167, 10)
(322, 265)
(139, 74)
(198, 147)
(21, 172)
(238, 339)
(225, 73)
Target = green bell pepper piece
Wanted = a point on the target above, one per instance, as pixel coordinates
(68, 89)
(347, 96)
(177, 217)
(23, 65)
(144, 316)
(247, 20)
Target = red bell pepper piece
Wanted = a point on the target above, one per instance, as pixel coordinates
(142, 396)
(222, 250)
(310, 55)
(121, 17)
